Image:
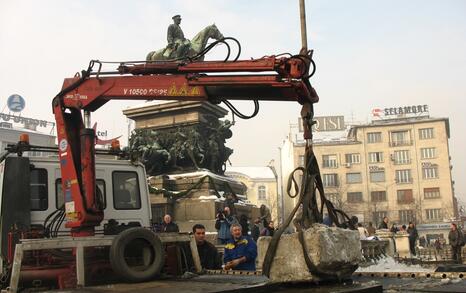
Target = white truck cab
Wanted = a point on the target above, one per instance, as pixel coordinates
(121, 183)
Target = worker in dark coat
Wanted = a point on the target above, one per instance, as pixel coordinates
(168, 225)
(208, 253)
(384, 224)
(412, 237)
(240, 251)
(256, 229)
(456, 240)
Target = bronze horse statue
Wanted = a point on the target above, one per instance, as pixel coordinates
(198, 43)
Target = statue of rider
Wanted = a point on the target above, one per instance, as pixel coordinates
(178, 45)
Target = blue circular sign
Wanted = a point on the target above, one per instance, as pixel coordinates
(16, 103)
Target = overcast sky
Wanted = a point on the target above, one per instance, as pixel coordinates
(368, 54)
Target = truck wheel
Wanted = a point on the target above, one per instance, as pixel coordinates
(137, 254)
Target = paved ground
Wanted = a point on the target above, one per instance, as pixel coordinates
(258, 284)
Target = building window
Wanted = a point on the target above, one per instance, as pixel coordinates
(126, 195)
(426, 133)
(329, 161)
(354, 197)
(301, 161)
(401, 157)
(430, 172)
(400, 138)
(433, 214)
(374, 137)
(403, 176)
(39, 190)
(427, 153)
(333, 197)
(406, 216)
(330, 180)
(377, 176)
(405, 196)
(378, 217)
(353, 178)
(376, 157)
(377, 196)
(431, 192)
(60, 197)
(261, 193)
(352, 159)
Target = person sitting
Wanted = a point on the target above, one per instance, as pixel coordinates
(168, 225)
(240, 251)
(208, 254)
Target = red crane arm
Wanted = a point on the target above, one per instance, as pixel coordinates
(283, 81)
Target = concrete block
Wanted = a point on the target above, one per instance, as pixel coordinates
(402, 244)
(386, 235)
(333, 250)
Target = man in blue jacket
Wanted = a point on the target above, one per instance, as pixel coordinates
(240, 251)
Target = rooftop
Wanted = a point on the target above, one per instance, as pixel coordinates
(252, 172)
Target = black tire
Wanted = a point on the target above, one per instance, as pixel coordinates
(137, 255)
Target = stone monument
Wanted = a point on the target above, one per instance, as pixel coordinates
(182, 145)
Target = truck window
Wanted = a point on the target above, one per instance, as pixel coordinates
(126, 194)
(39, 190)
(61, 198)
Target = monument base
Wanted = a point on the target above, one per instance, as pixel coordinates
(335, 252)
(201, 204)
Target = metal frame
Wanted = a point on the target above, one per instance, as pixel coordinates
(80, 243)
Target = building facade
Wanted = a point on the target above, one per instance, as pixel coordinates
(399, 168)
(9, 134)
(261, 183)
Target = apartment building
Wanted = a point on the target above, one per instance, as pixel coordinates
(399, 168)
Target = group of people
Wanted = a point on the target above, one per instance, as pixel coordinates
(455, 237)
(238, 238)
(240, 250)
(225, 220)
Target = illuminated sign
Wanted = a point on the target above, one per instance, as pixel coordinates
(405, 110)
(326, 123)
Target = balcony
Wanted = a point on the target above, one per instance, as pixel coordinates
(402, 162)
(403, 181)
(401, 143)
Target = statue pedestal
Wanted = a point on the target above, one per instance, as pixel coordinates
(201, 204)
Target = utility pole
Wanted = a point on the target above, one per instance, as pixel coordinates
(302, 10)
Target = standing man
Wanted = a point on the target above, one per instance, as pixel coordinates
(240, 251)
(384, 224)
(210, 258)
(370, 230)
(223, 224)
(256, 229)
(363, 234)
(168, 225)
(176, 40)
(455, 237)
(269, 230)
(412, 237)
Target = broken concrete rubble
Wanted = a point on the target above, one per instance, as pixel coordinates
(334, 251)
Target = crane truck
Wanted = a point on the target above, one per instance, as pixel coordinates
(96, 192)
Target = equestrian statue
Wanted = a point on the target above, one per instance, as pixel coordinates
(179, 47)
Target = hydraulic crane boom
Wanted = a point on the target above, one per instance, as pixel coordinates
(280, 79)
